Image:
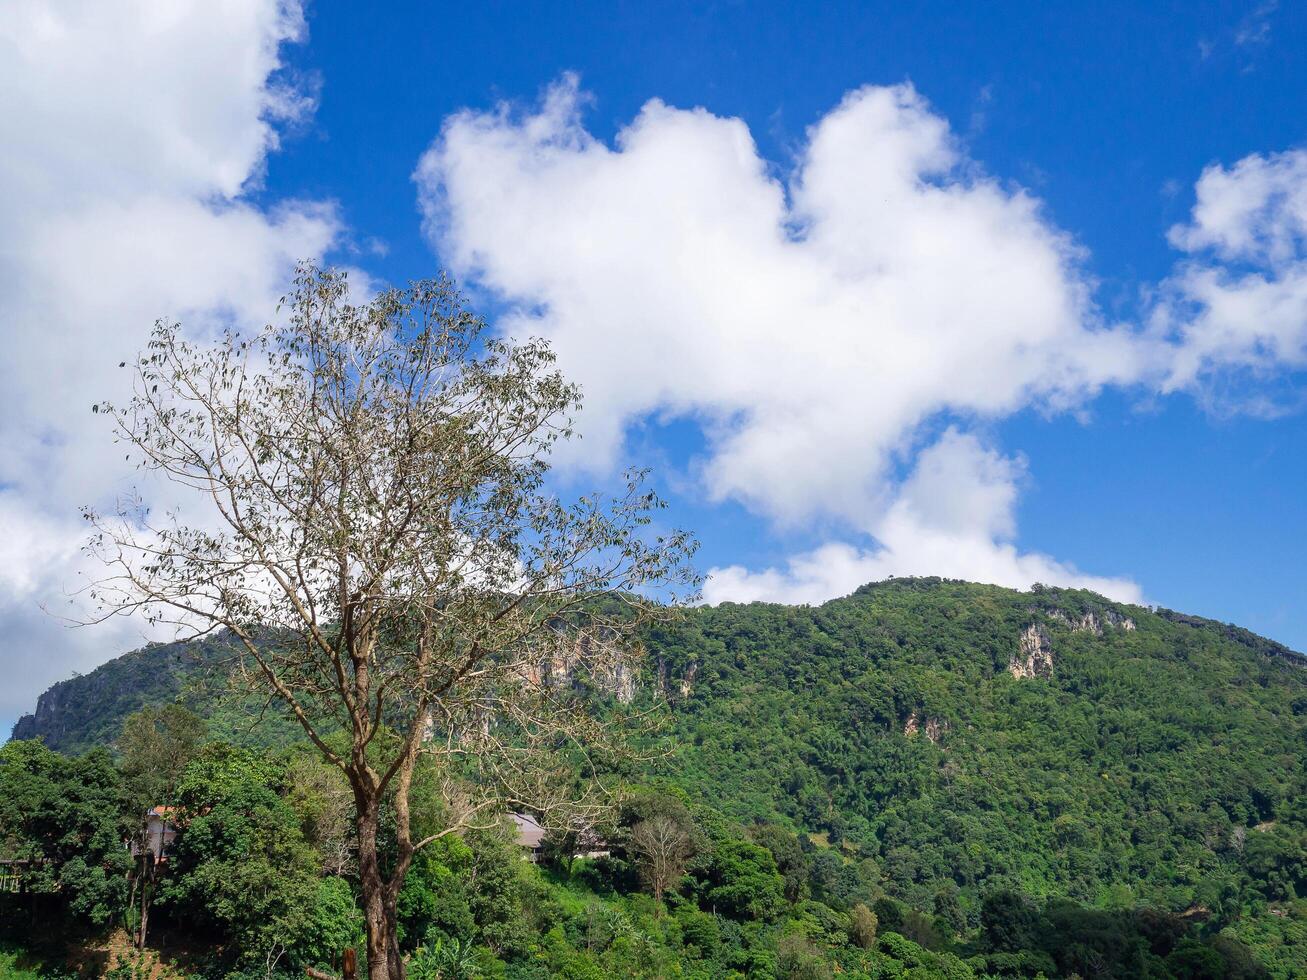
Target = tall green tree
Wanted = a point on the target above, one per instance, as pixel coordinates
(742, 880)
(156, 745)
(62, 819)
(242, 868)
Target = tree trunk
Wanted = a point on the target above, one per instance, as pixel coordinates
(147, 873)
(372, 885)
(131, 898)
(392, 928)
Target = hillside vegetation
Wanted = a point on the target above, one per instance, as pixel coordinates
(1156, 755)
(924, 779)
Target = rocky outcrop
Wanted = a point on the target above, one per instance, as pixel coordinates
(1114, 618)
(918, 723)
(566, 663)
(687, 682)
(1091, 622)
(619, 682)
(50, 719)
(672, 687)
(1034, 656)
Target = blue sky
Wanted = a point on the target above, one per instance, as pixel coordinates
(1077, 137)
(1108, 113)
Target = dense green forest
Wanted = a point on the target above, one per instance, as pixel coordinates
(924, 779)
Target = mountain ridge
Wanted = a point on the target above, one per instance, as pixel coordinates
(66, 715)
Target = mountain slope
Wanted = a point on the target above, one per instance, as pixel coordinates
(961, 736)
(1051, 741)
(89, 709)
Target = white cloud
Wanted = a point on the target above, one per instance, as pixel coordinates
(812, 325)
(41, 570)
(132, 131)
(818, 323)
(953, 517)
(1240, 300)
(1254, 211)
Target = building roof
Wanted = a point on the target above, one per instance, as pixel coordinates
(529, 831)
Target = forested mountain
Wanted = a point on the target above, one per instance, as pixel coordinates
(88, 710)
(954, 732)
(944, 745)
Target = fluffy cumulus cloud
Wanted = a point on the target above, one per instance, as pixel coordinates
(814, 325)
(132, 132)
(953, 517)
(1239, 301)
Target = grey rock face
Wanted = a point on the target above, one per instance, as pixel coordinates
(1034, 656)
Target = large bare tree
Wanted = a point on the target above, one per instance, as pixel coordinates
(663, 847)
(385, 552)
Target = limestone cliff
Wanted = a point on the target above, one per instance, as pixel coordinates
(1092, 622)
(1034, 656)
